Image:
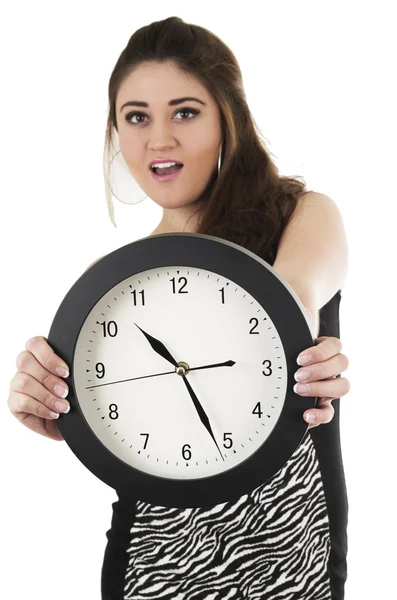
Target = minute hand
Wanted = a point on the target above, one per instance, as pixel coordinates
(201, 413)
(162, 351)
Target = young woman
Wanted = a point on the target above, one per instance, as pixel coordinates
(176, 96)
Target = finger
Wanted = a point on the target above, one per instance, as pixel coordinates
(47, 427)
(45, 355)
(323, 413)
(321, 370)
(336, 387)
(28, 393)
(27, 363)
(326, 348)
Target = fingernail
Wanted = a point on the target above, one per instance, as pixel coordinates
(62, 406)
(62, 372)
(304, 359)
(61, 391)
(302, 375)
(310, 416)
(301, 388)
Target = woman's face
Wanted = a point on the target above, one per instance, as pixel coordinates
(161, 131)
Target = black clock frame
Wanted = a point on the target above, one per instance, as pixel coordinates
(251, 273)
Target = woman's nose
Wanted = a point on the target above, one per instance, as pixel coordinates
(161, 136)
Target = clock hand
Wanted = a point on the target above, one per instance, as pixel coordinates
(162, 350)
(159, 347)
(201, 413)
(228, 363)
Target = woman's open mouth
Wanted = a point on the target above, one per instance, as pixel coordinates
(167, 173)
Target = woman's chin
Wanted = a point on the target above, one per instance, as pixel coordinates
(174, 200)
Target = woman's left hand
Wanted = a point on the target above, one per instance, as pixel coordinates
(326, 363)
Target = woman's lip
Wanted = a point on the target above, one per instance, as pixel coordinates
(168, 177)
(154, 162)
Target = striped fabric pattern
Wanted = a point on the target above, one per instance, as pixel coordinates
(271, 544)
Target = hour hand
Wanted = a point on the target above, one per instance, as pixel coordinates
(159, 347)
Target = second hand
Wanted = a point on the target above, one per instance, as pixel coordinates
(228, 363)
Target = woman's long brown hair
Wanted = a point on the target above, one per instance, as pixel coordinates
(249, 203)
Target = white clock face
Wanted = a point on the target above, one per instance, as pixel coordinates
(142, 409)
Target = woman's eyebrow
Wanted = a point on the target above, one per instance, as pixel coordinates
(170, 103)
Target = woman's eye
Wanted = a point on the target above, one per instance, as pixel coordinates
(135, 114)
(188, 110)
(141, 115)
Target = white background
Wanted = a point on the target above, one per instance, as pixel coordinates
(319, 79)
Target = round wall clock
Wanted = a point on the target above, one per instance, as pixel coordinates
(182, 351)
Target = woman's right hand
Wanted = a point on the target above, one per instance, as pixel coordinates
(32, 395)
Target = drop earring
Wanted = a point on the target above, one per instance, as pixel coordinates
(122, 183)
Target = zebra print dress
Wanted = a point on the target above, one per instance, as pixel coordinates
(285, 540)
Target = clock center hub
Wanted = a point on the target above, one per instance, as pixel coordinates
(182, 368)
